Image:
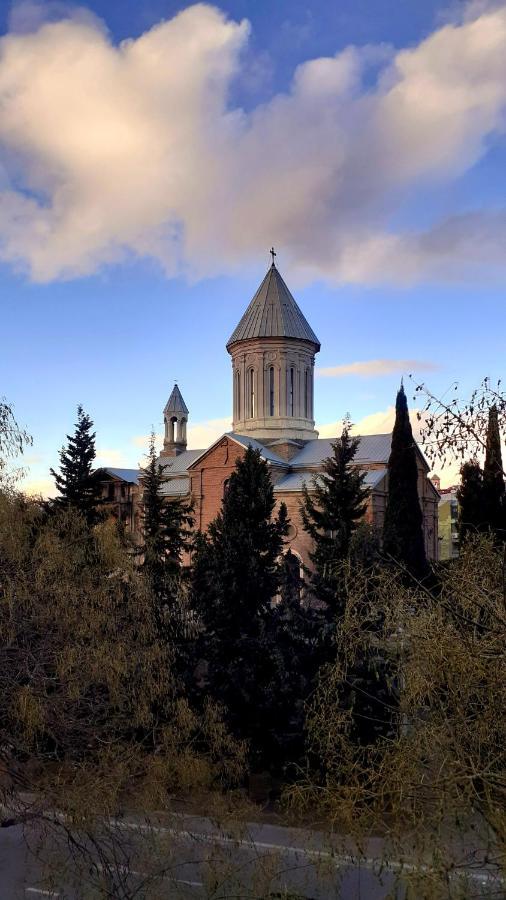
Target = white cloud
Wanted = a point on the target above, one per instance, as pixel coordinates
(382, 422)
(39, 487)
(375, 367)
(110, 150)
(375, 423)
(203, 434)
(107, 456)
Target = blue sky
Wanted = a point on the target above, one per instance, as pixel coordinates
(142, 184)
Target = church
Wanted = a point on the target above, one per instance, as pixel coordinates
(272, 352)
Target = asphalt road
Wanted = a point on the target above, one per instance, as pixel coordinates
(192, 858)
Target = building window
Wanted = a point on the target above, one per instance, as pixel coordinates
(291, 391)
(251, 394)
(226, 484)
(306, 394)
(238, 394)
(271, 391)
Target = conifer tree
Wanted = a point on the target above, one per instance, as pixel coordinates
(76, 481)
(494, 501)
(236, 576)
(331, 513)
(403, 538)
(167, 530)
(245, 542)
(470, 499)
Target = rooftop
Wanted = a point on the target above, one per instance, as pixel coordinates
(175, 403)
(372, 448)
(273, 312)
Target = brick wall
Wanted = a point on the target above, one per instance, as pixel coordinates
(208, 478)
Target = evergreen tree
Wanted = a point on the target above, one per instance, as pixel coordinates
(76, 482)
(403, 538)
(330, 515)
(236, 576)
(167, 530)
(494, 502)
(470, 499)
(245, 543)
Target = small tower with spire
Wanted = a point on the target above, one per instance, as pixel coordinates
(175, 417)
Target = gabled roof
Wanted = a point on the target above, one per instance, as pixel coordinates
(244, 441)
(296, 480)
(273, 312)
(175, 487)
(175, 403)
(176, 465)
(265, 452)
(129, 475)
(373, 448)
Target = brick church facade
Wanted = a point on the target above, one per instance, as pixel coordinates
(272, 352)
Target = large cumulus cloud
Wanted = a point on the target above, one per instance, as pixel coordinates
(107, 151)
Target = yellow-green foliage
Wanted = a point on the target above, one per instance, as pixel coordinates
(439, 783)
(86, 684)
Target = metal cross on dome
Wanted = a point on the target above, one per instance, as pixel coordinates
(273, 254)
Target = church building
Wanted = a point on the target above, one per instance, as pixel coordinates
(272, 352)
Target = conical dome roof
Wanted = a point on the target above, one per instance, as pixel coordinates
(273, 312)
(175, 404)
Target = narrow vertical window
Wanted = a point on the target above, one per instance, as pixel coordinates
(291, 388)
(271, 391)
(238, 395)
(306, 394)
(251, 394)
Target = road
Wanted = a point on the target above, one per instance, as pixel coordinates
(194, 859)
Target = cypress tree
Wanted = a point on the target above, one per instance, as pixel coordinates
(76, 482)
(470, 499)
(331, 513)
(494, 504)
(403, 538)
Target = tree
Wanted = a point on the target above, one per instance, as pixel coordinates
(245, 543)
(457, 428)
(403, 538)
(77, 483)
(91, 716)
(13, 440)
(166, 525)
(433, 785)
(470, 499)
(236, 576)
(494, 499)
(331, 513)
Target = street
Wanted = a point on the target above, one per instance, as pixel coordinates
(192, 858)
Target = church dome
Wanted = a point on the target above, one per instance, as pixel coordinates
(273, 352)
(273, 313)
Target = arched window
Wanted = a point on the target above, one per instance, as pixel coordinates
(306, 394)
(292, 581)
(172, 429)
(238, 394)
(251, 394)
(291, 391)
(271, 391)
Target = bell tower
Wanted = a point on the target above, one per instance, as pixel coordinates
(175, 417)
(273, 351)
